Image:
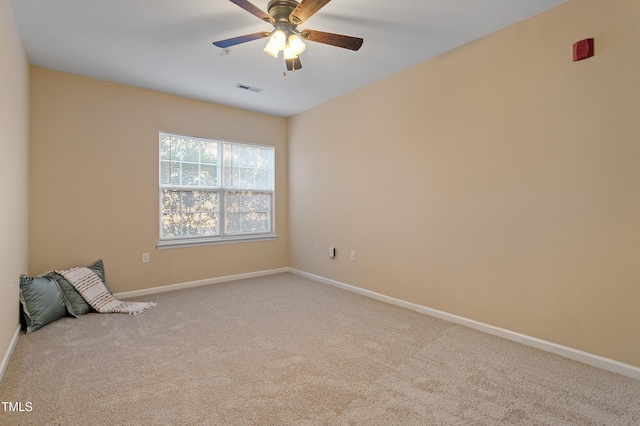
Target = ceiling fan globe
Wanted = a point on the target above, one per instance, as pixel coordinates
(296, 44)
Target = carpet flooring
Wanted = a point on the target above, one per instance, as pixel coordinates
(286, 350)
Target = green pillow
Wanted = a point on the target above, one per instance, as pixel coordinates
(41, 301)
(76, 305)
(98, 268)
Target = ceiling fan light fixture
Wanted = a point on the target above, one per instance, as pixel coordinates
(278, 40)
(271, 50)
(277, 43)
(296, 44)
(288, 53)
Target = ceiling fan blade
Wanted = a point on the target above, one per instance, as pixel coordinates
(242, 39)
(337, 40)
(293, 64)
(305, 10)
(252, 9)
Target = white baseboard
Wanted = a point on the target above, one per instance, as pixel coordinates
(7, 355)
(565, 351)
(199, 283)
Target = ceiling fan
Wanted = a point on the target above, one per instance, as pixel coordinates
(285, 16)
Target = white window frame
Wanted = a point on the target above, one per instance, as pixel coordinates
(221, 190)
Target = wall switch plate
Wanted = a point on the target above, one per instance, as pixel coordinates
(315, 249)
(145, 257)
(332, 252)
(353, 255)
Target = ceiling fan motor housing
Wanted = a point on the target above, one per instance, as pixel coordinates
(280, 10)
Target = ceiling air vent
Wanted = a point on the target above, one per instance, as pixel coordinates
(249, 88)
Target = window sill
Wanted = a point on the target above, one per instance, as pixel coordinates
(198, 242)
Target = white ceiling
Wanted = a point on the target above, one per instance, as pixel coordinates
(166, 45)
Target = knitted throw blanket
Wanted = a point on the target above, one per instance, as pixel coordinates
(90, 286)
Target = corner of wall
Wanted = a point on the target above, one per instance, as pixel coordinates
(14, 144)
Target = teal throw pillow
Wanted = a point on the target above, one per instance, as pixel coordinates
(42, 301)
(76, 305)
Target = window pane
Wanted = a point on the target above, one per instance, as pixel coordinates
(262, 222)
(209, 201)
(262, 179)
(246, 178)
(247, 212)
(188, 161)
(264, 158)
(234, 223)
(240, 177)
(170, 225)
(189, 213)
(175, 173)
(248, 222)
(233, 202)
(248, 201)
(177, 148)
(190, 223)
(209, 152)
(190, 201)
(208, 175)
(190, 174)
(165, 172)
(256, 202)
(255, 222)
(209, 223)
(247, 166)
(165, 147)
(170, 201)
(191, 150)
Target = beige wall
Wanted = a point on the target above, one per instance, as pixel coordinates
(14, 108)
(94, 181)
(499, 182)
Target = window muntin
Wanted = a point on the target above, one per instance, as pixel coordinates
(214, 190)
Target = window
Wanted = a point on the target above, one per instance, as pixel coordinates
(214, 191)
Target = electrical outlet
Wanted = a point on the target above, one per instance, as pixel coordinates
(145, 257)
(353, 255)
(315, 249)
